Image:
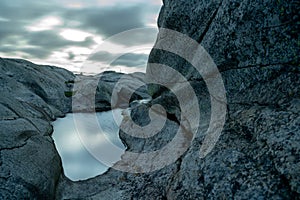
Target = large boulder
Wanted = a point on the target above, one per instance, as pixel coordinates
(255, 46)
(31, 97)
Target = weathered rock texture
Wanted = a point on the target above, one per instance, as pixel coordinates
(95, 92)
(31, 97)
(255, 45)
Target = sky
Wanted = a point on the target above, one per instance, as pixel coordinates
(80, 35)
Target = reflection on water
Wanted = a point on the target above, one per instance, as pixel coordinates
(77, 162)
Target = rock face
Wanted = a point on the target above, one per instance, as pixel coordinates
(95, 92)
(31, 97)
(255, 46)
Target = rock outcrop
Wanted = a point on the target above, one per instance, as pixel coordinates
(255, 46)
(31, 97)
(94, 93)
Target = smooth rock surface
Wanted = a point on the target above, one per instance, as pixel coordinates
(31, 97)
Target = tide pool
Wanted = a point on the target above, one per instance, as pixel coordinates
(88, 143)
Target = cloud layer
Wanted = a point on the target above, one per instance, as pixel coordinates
(65, 32)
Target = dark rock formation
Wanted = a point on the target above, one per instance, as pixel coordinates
(31, 97)
(255, 46)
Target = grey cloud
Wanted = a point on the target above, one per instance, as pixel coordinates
(18, 14)
(131, 60)
(140, 36)
(108, 21)
(128, 60)
(36, 52)
(8, 29)
(26, 11)
(102, 56)
(113, 20)
(42, 43)
(71, 56)
(32, 52)
(51, 40)
(104, 21)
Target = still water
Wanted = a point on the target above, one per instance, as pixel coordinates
(73, 136)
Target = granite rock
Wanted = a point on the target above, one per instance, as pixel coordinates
(255, 46)
(31, 97)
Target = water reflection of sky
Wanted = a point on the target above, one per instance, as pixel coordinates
(77, 162)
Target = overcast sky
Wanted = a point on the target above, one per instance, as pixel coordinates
(66, 33)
